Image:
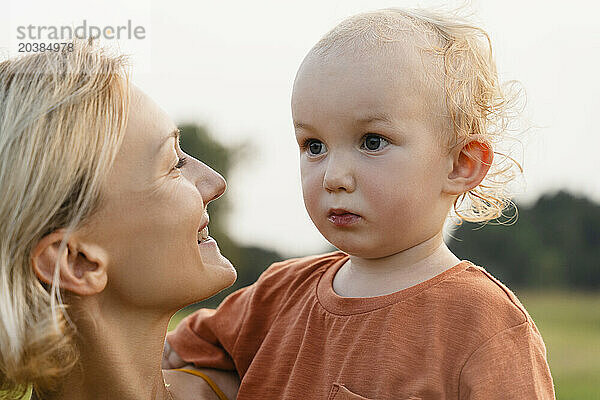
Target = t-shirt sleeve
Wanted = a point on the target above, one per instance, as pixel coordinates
(208, 337)
(510, 365)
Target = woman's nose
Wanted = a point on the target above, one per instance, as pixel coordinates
(211, 184)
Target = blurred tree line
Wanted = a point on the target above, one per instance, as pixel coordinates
(554, 243)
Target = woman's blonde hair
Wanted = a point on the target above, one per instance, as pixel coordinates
(478, 105)
(62, 119)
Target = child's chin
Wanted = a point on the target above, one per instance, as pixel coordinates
(359, 250)
(355, 243)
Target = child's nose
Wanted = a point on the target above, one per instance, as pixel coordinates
(338, 175)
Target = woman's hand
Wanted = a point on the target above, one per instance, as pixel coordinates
(185, 386)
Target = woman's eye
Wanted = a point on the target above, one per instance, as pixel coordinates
(314, 147)
(181, 162)
(374, 142)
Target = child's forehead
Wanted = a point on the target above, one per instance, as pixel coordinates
(411, 55)
(388, 73)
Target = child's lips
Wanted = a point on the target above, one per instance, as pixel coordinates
(341, 217)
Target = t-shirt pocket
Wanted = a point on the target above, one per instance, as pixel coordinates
(341, 392)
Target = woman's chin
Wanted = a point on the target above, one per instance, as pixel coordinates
(211, 272)
(218, 272)
(209, 280)
(225, 271)
(212, 257)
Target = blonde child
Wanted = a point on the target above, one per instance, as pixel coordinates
(397, 116)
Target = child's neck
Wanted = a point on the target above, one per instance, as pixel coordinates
(361, 277)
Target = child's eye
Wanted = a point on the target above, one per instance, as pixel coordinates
(373, 142)
(314, 147)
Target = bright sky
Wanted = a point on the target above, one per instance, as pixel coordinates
(230, 65)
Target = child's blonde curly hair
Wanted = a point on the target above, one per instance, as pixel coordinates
(478, 105)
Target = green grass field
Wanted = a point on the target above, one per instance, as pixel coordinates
(570, 325)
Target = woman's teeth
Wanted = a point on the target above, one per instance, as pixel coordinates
(203, 234)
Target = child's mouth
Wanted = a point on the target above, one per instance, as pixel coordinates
(340, 217)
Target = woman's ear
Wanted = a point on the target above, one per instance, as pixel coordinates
(470, 165)
(82, 267)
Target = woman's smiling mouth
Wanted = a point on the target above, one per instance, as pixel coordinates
(203, 234)
(203, 231)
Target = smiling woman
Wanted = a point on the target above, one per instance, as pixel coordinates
(99, 228)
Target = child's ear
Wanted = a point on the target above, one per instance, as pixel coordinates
(82, 267)
(470, 165)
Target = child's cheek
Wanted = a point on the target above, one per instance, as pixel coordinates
(312, 183)
(379, 186)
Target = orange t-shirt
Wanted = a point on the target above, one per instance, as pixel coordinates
(459, 335)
